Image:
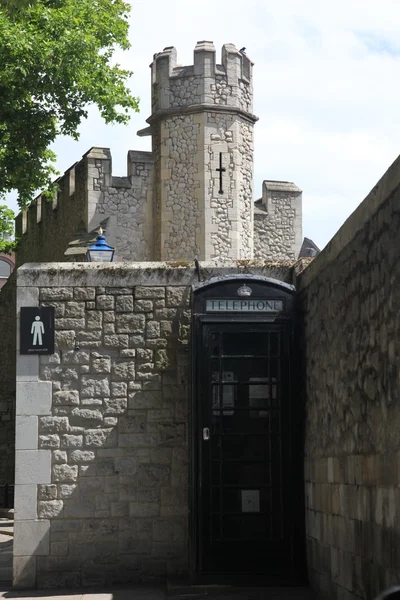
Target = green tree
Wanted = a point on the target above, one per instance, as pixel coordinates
(56, 61)
(6, 228)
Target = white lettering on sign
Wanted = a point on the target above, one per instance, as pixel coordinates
(253, 305)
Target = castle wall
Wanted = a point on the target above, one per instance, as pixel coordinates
(7, 379)
(202, 122)
(46, 228)
(278, 221)
(349, 302)
(102, 424)
(88, 194)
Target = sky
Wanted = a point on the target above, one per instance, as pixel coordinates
(326, 91)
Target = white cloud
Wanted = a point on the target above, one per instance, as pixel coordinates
(326, 90)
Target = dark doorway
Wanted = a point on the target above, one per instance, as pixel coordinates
(247, 479)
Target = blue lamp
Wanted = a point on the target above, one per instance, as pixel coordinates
(100, 251)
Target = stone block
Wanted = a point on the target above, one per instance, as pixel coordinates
(94, 320)
(50, 509)
(144, 509)
(32, 466)
(65, 473)
(32, 538)
(152, 329)
(177, 296)
(86, 417)
(136, 440)
(142, 292)
(64, 339)
(74, 310)
(116, 341)
(129, 323)
(145, 399)
(133, 424)
(84, 293)
(26, 432)
(95, 387)
(101, 438)
(76, 357)
(25, 502)
(49, 441)
(56, 293)
(144, 306)
(66, 490)
(119, 389)
(24, 572)
(71, 441)
(59, 548)
(124, 304)
(59, 456)
(114, 406)
(69, 324)
(131, 353)
(27, 368)
(104, 302)
(151, 475)
(78, 456)
(123, 369)
(33, 398)
(53, 424)
(66, 398)
(101, 364)
(47, 492)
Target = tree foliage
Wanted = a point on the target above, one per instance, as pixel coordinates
(6, 228)
(56, 61)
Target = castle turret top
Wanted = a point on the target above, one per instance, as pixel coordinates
(205, 82)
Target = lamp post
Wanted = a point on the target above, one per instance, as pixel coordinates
(100, 251)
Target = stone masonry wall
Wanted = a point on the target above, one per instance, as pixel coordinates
(102, 424)
(88, 195)
(349, 301)
(7, 379)
(201, 116)
(278, 221)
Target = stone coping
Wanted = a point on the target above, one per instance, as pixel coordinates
(129, 274)
(385, 187)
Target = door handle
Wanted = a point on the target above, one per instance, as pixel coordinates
(206, 434)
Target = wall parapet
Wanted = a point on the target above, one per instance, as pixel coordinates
(204, 82)
(366, 210)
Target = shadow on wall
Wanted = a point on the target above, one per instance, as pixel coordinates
(115, 508)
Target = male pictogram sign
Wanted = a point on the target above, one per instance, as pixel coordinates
(37, 330)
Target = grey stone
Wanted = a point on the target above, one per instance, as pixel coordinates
(114, 406)
(84, 293)
(59, 456)
(124, 304)
(105, 302)
(65, 473)
(67, 490)
(95, 387)
(103, 438)
(71, 441)
(53, 424)
(86, 415)
(129, 323)
(82, 456)
(47, 492)
(50, 509)
(149, 292)
(66, 398)
(119, 389)
(49, 441)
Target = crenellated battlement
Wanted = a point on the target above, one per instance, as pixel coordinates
(87, 194)
(205, 82)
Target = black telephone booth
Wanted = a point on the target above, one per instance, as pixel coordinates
(247, 509)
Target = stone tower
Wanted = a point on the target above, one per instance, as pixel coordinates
(202, 132)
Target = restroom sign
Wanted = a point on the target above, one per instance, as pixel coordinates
(37, 330)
